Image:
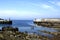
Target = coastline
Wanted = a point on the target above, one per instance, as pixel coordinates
(10, 33)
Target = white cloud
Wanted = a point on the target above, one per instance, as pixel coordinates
(17, 14)
(58, 3)
(7, 12)
(49, 7)
(46, 6)
(55, 2)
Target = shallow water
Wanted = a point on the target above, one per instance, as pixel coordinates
(30, 27)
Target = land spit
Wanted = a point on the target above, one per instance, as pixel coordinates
(10, 33)
(48, 22)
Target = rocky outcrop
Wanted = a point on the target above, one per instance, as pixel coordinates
(10, 33)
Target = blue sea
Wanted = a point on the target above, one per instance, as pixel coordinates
(30, 27)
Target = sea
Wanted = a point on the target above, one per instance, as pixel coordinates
(29, 27)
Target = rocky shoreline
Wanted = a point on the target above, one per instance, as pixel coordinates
(10, 33)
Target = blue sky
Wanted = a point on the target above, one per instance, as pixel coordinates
(29, 9)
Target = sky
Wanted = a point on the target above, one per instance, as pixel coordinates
(29, 9)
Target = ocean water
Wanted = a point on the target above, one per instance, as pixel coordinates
(30, 27)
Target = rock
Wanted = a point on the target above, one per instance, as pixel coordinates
(9, 29)
(10, 33)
